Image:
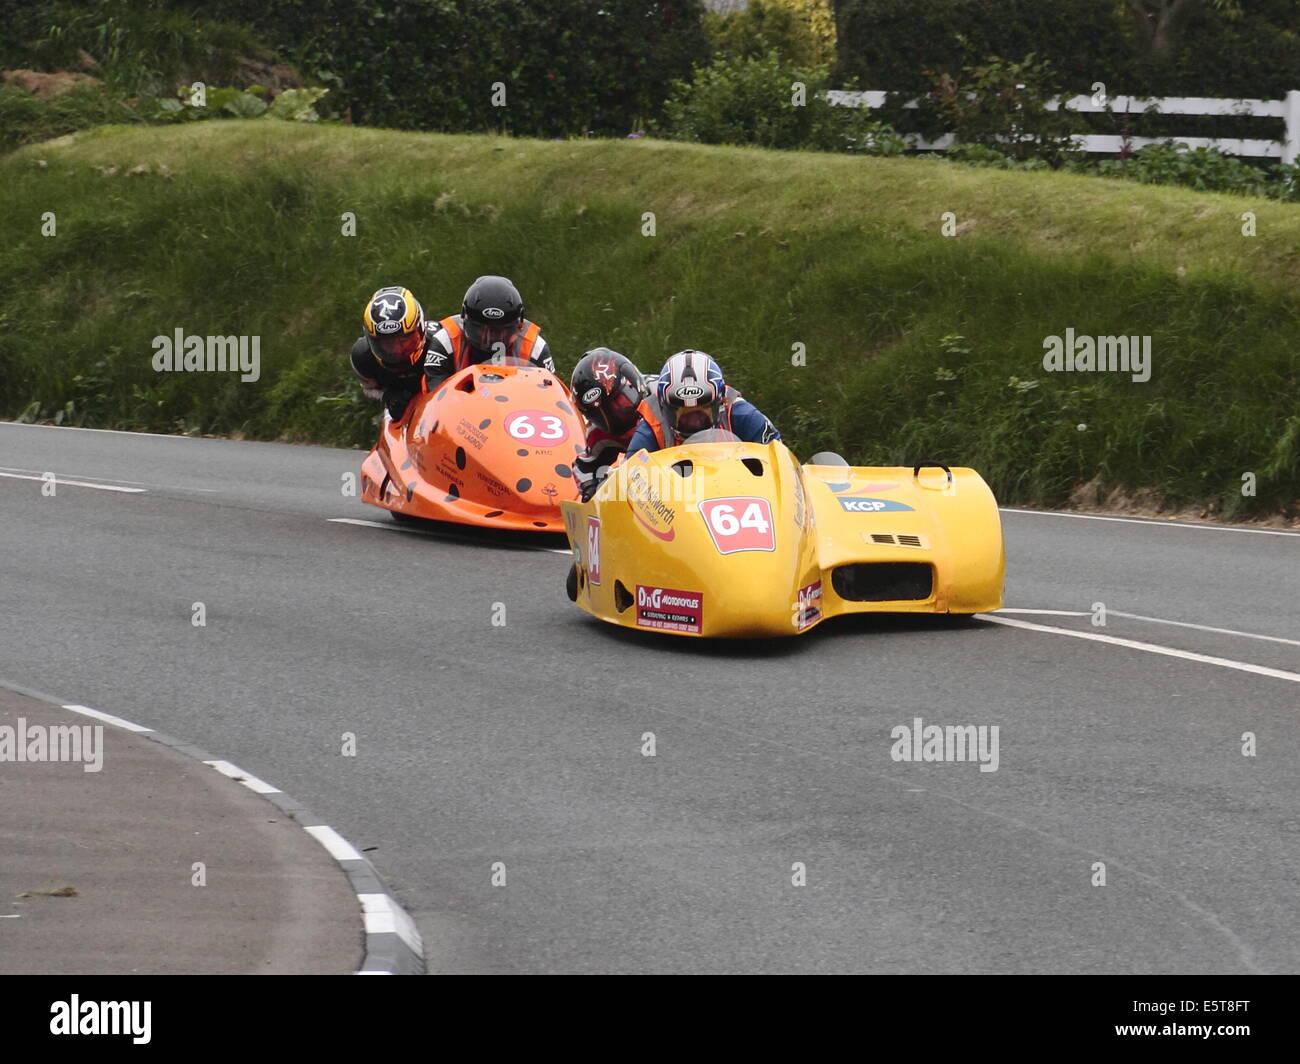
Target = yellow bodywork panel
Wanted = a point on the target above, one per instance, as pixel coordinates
(737, 540)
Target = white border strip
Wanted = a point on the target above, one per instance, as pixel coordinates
(1150, 648)
(383, 918)
(1198, 627)
(339, 848)
(111, 432)
(59, 481)
(246, 778)
(108, 718)
(392, 526)
(1156, 523)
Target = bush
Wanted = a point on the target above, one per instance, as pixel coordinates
(1001, 105)
(139, 48)
(801, 32)
(1243, 50)
(771, 104)
(25, 118)
(1203, 169)
(566, 66)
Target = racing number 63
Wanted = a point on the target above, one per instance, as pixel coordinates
(739, 524)
(535, 425)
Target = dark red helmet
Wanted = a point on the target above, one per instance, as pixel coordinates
(608, 388)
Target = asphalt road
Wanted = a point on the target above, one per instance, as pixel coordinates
(521, 744)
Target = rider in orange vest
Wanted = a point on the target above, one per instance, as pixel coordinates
(491, 327)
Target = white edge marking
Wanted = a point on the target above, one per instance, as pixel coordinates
(1051, 613)
(112, 480)
(63, 482)
(1198, 627)
(389, 526)
(1150, 648)
(240, 776)
(111, 432)
(108, 718)
(339, 848)
(383, 917)
(1149, 521)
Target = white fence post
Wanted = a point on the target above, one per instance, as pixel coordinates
(1291, 147)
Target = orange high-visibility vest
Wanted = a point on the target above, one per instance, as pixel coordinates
(652, 410)
(460, 348)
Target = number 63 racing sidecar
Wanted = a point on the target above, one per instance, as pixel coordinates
(490, 446)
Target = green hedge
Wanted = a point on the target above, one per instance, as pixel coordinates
(568, 66)
(889, 44)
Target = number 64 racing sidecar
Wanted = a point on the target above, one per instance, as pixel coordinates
(733, 539)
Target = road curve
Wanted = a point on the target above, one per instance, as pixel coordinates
(519, 746)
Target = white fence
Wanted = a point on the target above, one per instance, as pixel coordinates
(1288, 108)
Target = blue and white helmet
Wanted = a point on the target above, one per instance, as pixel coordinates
(691, 391)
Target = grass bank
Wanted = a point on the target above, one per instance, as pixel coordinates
(916, 344)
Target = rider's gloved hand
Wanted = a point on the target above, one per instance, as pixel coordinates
(396, 401)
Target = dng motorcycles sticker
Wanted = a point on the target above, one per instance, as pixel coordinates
(668, 609)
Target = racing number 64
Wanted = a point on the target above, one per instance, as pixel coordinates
(739, 524)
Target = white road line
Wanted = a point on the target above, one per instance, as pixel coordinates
(61, 482)
(1158, 524)
(392, 526)
(108, 718)
(111, 480)
(111, 432)
(1200, 627)
(383, 917)
(1052, 613)
(246, 778)
(339, 847)
(1150, 648)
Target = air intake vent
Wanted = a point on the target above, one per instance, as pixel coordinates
(622, 596)
(887, 539)
(883, 581)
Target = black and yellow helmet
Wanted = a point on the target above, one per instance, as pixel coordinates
(394, 324)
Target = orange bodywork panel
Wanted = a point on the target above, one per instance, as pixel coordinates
(492, 446)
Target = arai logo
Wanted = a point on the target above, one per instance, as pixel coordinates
(689, 391)
(493, 313)
(387, 326)
(591, 395)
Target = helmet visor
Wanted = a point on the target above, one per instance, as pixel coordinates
(621, 411)
(688, 420)
(397, 350)
(486, 337)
